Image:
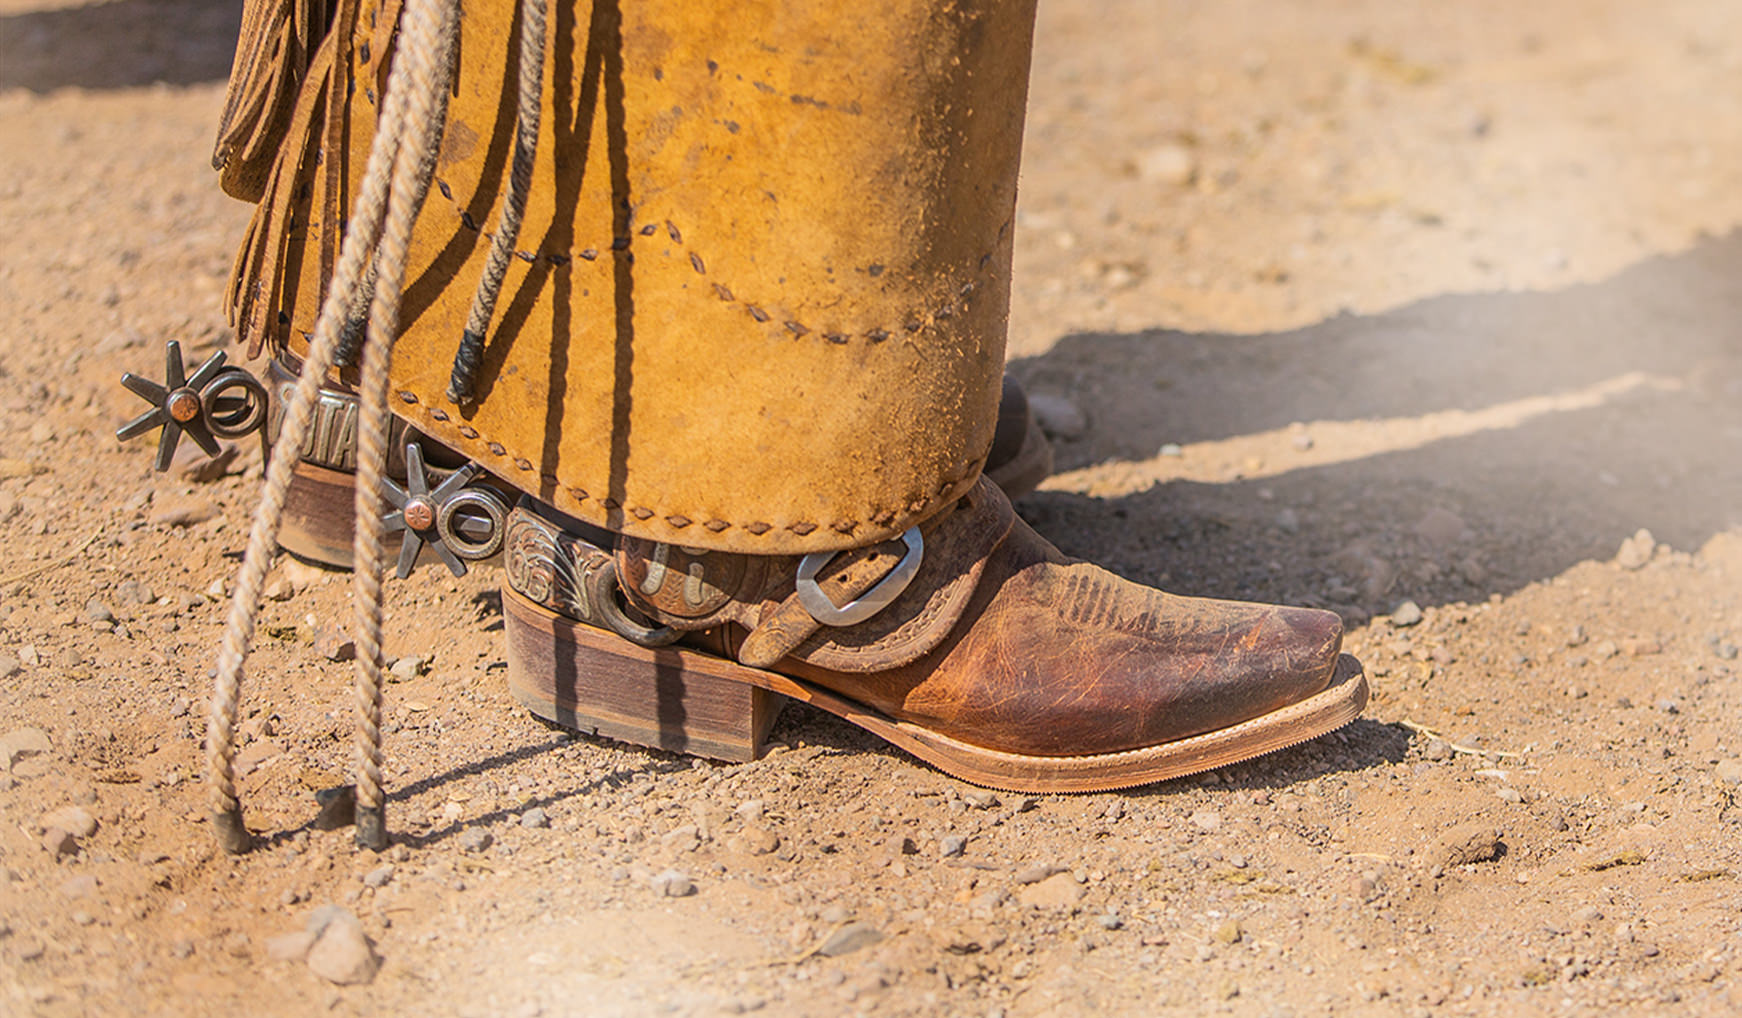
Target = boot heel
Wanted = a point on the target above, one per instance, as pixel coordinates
(599, 683)
(317, 515)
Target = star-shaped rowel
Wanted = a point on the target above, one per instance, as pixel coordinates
(175, 405)
(418, 511)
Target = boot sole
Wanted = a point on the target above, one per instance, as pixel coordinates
(690, 702)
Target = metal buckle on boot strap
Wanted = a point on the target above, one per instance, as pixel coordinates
(867, 604)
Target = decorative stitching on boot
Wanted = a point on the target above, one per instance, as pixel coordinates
(679, 521)
(912, 322)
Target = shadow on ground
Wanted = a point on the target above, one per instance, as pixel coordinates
(121, 44)
(1649, 361)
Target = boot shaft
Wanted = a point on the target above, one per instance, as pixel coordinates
(759, 296)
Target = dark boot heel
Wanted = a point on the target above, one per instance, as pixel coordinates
(318, 507)
(601, 684)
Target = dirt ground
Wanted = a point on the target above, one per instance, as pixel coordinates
(1341, 303)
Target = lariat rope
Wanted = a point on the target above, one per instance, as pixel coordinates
(413, 168)
(395, 179)
(471, 352)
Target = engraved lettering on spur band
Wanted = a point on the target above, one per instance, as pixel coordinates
(332, 435)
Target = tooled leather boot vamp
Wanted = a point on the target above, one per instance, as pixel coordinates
(1060, 658)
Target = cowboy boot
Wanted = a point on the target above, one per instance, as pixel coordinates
(971, 643)
(754, 272)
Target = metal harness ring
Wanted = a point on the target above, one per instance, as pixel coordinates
(607, 598)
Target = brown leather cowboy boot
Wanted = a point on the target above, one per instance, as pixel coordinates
(971, 643)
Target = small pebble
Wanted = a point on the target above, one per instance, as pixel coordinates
(75, 820)
(1636, 551)
(1036, 873)
(1406, 614)
(1061, 890)
(1206, 821)
(342, 954)
(535, 817)
(407, 668)
(21, 743)
(1469, 843)
(753, 840)
(379, 876)
(672, 884)
(951, 845)
(332, 644)
(476, 839)
(1168, 163)
(686, 838)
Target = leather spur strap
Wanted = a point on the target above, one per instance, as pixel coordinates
(673, 590)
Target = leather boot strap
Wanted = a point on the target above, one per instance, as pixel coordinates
(690, 589)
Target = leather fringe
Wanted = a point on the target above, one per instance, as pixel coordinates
(274, 52)
(283, 111)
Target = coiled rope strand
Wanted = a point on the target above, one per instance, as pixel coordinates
(470, 354)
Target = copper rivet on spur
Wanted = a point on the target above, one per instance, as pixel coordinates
(419, 514)
(184, 405)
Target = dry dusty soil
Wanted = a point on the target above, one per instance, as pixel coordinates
(1342, 303)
